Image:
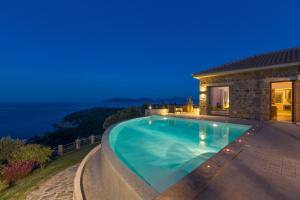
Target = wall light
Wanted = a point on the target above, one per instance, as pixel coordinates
(203, 88)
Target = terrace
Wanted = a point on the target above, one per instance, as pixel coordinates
(263, 164)
(261, 92)
(188, 110)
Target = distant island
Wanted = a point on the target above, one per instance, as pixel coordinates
(177, 100)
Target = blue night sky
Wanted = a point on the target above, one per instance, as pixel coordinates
(92, 50)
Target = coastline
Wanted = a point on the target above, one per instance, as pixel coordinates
(25, 120)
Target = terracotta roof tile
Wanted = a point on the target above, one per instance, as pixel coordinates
(267, 59)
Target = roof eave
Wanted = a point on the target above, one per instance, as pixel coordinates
(205, 75)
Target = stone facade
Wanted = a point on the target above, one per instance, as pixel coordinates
(297, 100)
(250, 92)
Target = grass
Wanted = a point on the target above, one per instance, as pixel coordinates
(22, 187)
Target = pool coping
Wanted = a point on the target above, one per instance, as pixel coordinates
(78, 193)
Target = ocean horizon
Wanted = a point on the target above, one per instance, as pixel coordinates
(24, 120)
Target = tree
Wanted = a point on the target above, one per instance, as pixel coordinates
(129, 113)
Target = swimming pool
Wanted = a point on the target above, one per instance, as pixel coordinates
(162, 150)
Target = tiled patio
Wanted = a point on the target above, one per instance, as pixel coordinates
(269, 168)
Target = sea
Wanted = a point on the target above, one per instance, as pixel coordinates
(24, 120)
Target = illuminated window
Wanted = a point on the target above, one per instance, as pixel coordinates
(219, 98)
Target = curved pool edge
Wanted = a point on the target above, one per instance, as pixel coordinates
(120, 181)
(126, 183)
(78, 193)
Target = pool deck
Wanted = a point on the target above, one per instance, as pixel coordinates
(266, 165)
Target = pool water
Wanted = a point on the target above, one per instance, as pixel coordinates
(162, 150)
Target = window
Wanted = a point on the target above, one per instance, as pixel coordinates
(219, 98)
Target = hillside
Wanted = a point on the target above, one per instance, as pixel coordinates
(78, 124)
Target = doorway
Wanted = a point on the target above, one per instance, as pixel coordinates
(282, 101)
(219, 100)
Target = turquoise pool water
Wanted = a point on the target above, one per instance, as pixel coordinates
(162, 150)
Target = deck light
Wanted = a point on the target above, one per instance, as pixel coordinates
(240, 140)
(208, 166)
(227, 150)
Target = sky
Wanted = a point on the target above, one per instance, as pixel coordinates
(84, 51)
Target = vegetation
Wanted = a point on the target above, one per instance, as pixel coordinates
(7, 147)
(122, 115)
(40, 155)
(3, 185)
(27, 184)
(17, 170)
(85, 123)
(18, 159)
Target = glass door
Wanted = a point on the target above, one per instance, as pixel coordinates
(282, 101)
(219, 100)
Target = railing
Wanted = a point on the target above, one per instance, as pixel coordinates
(165, 109)
(76, 145)
(168, 106)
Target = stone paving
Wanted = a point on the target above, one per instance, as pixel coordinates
(269, 168)
(58, 187)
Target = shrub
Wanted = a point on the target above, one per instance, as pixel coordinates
(32, 152)
(3, 184)
(7, 146)
(129, 113)
(17, 170)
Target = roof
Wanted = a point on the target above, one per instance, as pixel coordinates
(283, 57)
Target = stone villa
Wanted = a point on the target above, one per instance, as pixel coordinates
(262, 87)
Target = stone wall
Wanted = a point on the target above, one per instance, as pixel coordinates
(249, 91)
(297, 101)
